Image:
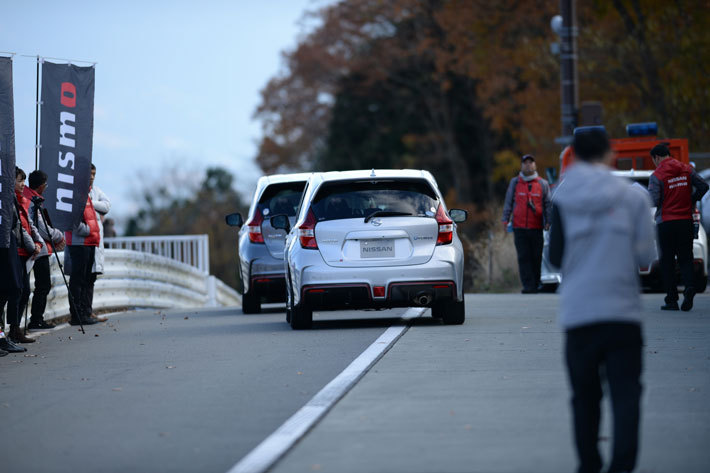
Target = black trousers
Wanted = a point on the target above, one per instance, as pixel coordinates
(528, 244)
(82, 259)
(14, 299)
(92, 282)
(675, 239)
(595, 352)
(43, 284)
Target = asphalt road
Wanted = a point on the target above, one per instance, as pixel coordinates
(168, 391)
(186, 391)
(491, 396)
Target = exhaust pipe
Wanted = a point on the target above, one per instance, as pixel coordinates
(422, 299)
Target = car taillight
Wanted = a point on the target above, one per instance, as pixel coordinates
(254, 227)
(446, 227)
(307, 231)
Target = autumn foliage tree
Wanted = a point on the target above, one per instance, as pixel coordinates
(180, 204)
(464, 87)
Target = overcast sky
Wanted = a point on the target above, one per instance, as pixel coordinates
(176, 81)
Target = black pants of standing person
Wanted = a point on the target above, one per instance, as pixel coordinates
(43, 284)
(82, 259)
(14, 299)
(92, 282)
(613, 351)
(675, 239)
(528, 244)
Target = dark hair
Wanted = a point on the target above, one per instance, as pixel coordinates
(590, 143)
(19, 172)
(93, 168)
(660, 151)
(37, 178)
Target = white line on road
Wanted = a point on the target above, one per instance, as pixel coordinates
(278, 443)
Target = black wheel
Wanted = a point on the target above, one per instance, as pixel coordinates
(450, 312)
(701, 283)
(251, 303)
(301, 317)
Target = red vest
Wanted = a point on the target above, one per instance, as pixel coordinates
(94, 238)
(676, 203)
(25, 221)
(523, 215)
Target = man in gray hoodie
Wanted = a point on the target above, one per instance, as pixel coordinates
(601, 232)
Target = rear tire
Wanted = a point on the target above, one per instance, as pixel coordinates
(251, 303)
(301, 317)
(450, 312)
(701, 283)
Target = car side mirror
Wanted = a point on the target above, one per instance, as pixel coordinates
(234, 220)
(458, 215)
(280, 222)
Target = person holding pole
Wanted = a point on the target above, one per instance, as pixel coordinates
(53, 240)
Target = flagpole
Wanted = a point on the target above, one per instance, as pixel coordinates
(37, 119)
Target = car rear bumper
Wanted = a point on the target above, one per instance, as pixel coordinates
(271, 287)
(362, 295)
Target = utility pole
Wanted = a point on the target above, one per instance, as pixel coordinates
(568, 68)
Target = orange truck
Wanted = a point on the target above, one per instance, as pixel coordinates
(633, 152)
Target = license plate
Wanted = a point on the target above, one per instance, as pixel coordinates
(380, 248)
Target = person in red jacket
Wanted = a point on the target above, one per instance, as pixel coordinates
(81, 243)
(528, 203)
(29, 246)
(675, 187)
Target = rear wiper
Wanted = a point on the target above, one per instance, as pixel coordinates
(385, 213)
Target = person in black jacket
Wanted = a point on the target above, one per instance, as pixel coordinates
(11, 282)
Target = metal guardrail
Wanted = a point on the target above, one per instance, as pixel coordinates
(144, 280)
(193, 250)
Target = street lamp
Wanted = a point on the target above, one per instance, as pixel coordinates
(565, 26)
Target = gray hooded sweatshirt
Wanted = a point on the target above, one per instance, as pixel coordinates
(604, 232)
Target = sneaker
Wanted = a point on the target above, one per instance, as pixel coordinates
(99, 319)
(670, 306)
(687, 300)
(3, 352)
(7, 345)
(41, 325)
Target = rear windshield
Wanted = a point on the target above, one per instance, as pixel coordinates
(355, 199)
(282, 198)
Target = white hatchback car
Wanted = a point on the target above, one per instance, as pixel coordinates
(650, 273)
(373, 240)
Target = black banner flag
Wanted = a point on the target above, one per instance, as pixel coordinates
(7, 151)
(66, 139)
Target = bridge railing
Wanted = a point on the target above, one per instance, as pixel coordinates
(193, 250)
(148, 272)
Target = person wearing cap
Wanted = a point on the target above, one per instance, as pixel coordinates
(675, 187)
(600, 234)
(53, 240)
(527, 202)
